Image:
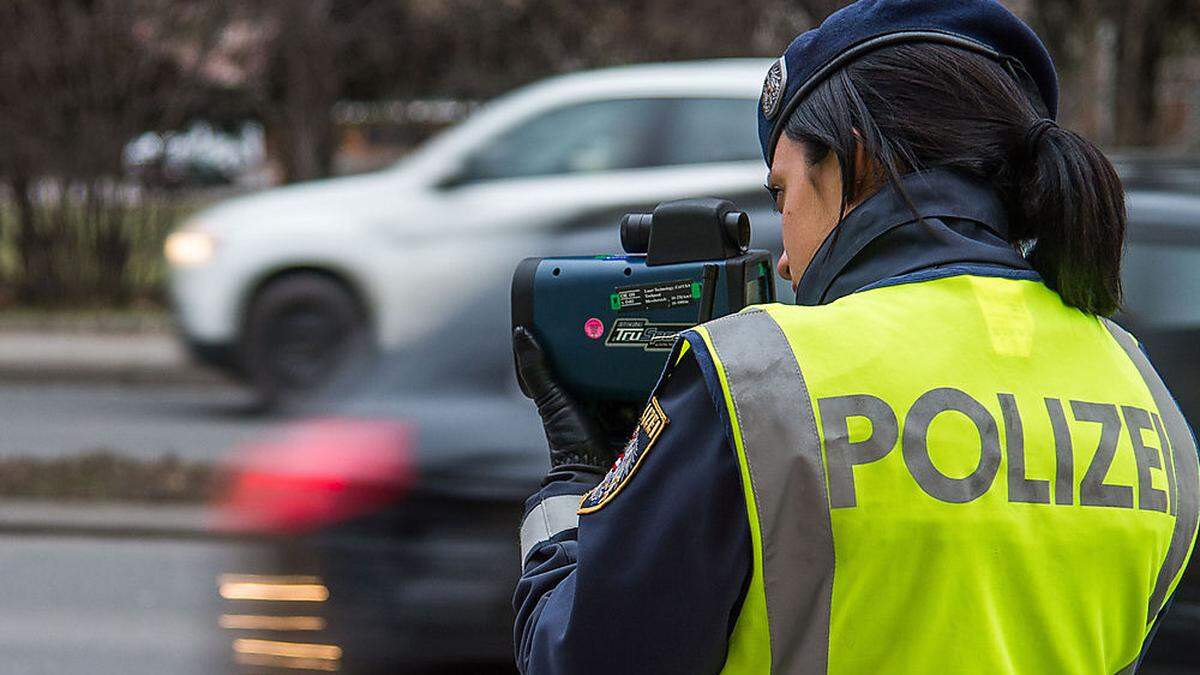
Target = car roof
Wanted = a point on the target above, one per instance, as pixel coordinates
(741, 75)
(717, 78)
(1158, 172)
(1163, 217)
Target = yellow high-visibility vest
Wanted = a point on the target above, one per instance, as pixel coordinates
(960, 475)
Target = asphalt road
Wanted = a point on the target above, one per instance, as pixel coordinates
(141, 420)
(119, 606)
(125, 607)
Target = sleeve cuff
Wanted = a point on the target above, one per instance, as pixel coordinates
(548, 518)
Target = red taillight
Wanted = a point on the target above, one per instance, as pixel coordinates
(314, 474)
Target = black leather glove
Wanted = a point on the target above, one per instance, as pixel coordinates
(575, 438)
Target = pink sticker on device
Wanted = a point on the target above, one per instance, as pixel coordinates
(593, 328)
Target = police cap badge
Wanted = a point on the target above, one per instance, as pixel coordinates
(773, 88)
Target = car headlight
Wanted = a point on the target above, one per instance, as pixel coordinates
(189, 248)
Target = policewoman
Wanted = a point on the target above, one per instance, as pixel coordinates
(946, 459)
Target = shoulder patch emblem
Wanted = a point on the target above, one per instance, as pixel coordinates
(649, 428)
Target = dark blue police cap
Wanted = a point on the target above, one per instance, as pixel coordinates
(982, 26)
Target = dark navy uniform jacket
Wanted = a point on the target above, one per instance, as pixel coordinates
(653, 581)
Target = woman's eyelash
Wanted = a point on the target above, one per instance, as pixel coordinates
(775, 194)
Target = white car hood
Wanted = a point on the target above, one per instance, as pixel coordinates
(348, 201)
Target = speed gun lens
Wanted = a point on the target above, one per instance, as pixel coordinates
(635, 232)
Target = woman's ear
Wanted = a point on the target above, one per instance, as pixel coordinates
(868, 174)
(861, 167)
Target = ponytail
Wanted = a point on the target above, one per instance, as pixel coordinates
(917, 106)
(1072, 214)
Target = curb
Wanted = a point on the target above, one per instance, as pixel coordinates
(58, 373)
(147, 357)
(108, 520)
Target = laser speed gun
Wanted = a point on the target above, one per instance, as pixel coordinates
(608, 322)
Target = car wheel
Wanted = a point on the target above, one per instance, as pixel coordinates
(304, 334)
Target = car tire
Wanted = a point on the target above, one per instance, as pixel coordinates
(305, 336)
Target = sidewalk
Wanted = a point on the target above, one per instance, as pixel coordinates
(130, 348)
(57, 355)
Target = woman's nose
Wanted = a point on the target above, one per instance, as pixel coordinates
(782, 267)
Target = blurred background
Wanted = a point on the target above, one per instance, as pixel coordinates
(256, 404)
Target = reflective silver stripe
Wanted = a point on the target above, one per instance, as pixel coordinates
(783, 451)
(551, 516)
(1187, 470)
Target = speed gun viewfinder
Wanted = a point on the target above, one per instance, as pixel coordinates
(608, 322)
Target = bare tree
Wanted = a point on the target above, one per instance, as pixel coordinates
(1110, 55)
(1143, 31)
(79, 80)
(299, 86)
(819, 9)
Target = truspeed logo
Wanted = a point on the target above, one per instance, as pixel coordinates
(637, 332)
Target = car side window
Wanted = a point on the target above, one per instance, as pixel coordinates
(704, 130)
(583, 138)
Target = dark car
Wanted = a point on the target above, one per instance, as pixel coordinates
(400, 513)
(1162, 308)
(401, 508)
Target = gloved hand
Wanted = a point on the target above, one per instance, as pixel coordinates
(574, 437)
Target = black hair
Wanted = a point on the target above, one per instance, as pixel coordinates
(921, 106)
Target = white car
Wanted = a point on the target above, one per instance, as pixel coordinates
(280, 286)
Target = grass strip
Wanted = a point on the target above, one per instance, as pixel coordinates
(104, 475)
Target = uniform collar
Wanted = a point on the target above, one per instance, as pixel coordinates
(958, 220)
